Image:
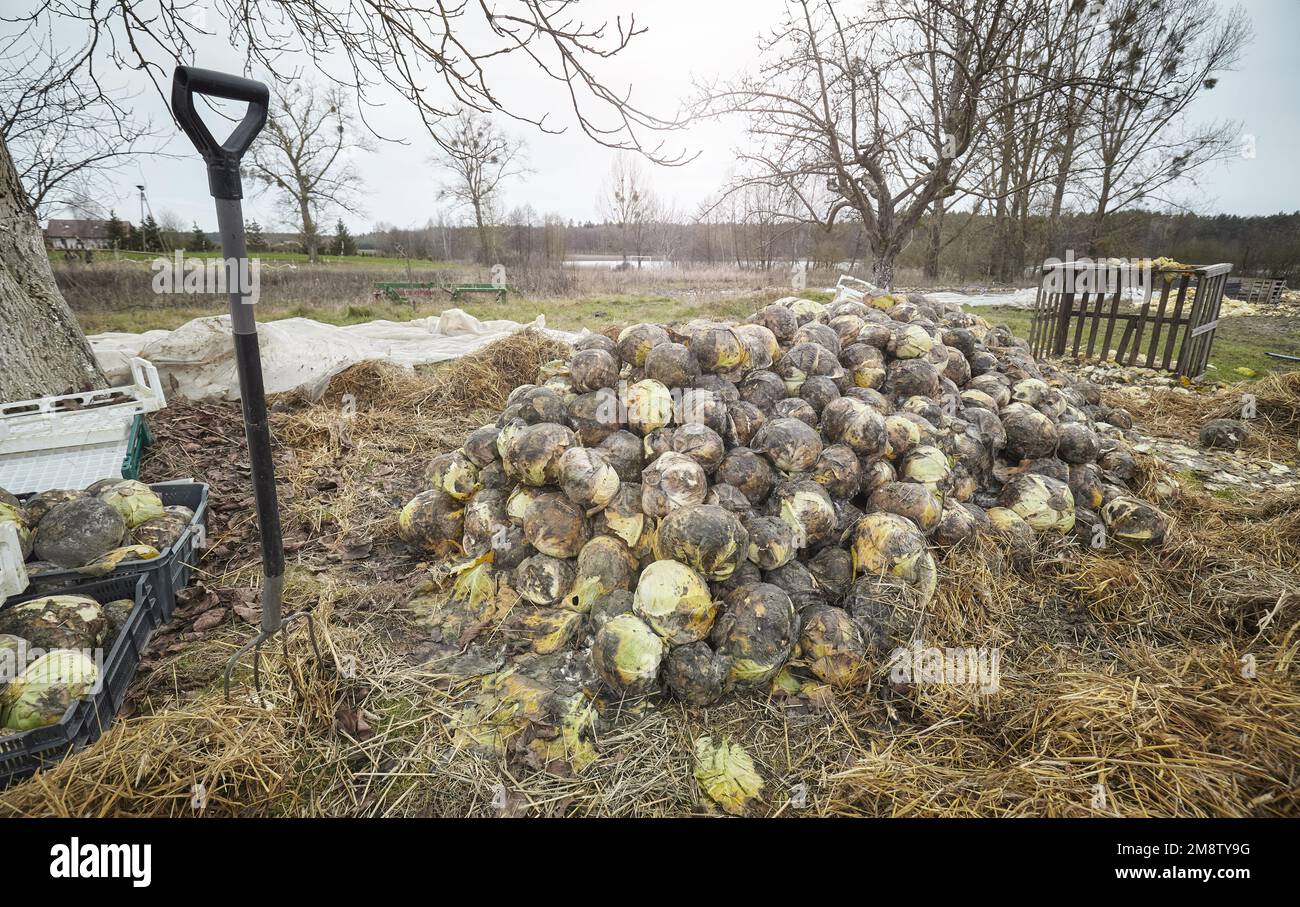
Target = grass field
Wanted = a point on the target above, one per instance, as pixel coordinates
(564, 313)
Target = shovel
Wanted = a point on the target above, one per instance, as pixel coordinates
(225, 186)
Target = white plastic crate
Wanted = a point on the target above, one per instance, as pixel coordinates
(852, 289)
(71, 440)
(63, 467)
(75, 420)
(13, 574)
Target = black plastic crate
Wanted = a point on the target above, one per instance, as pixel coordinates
(172, 569)
(88, 717)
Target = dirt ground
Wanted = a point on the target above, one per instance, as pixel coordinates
(1134, 682)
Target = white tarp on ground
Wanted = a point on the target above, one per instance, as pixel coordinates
(852, 288)
(1017, 298)
(1020, 299)
(197, 360)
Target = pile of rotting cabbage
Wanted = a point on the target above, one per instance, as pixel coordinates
(713, 506)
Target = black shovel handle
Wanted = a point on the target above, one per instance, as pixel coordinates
(222, 159)
(224, 183)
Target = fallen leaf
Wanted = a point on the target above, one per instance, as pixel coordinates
(196, 598)
(726, 774)
(209, 619)
(355, 546)
(353, 722)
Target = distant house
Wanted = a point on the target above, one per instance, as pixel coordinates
(77, 234)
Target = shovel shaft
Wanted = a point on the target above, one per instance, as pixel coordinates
(252, 395)
(222, 159)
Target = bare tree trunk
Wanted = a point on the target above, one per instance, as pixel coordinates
(1099, 213)
(1063, 171)
(310, 238)
(999, 265)
(42, 348)
(484, 245)
(857, 248)
(935, 244)
(882, 265)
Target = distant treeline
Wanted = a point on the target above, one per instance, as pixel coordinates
(966, 248)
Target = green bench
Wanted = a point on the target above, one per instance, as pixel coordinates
(400, 291)
(459, 289)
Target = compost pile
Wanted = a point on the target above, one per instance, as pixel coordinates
(714, 506)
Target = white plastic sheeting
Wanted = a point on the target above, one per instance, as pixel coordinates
(1016, 298)
(1019, 299)
(197, 360)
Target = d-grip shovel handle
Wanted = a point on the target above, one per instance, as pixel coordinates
(222, 159)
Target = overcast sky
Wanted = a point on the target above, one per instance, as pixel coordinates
(704, 39)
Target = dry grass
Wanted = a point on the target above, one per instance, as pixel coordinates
(1132, 683)
(1167, 677)
(1274, 431)
(119, 296)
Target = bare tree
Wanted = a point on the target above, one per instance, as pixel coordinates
(1009, 162)
(1115, 135)
(172, 231)
(443, 225)
(479, 159)
(522, 219)
(302, 156)
(1110, 135)
(389, 45)
(64, 136)
(1159, 57)
(882, 106)
(628, 202)
(667, 233)
(767, 223)
(1075, 54)
(553, 238)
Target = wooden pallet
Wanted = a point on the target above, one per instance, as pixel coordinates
(1262, 290)
(1178, 311)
